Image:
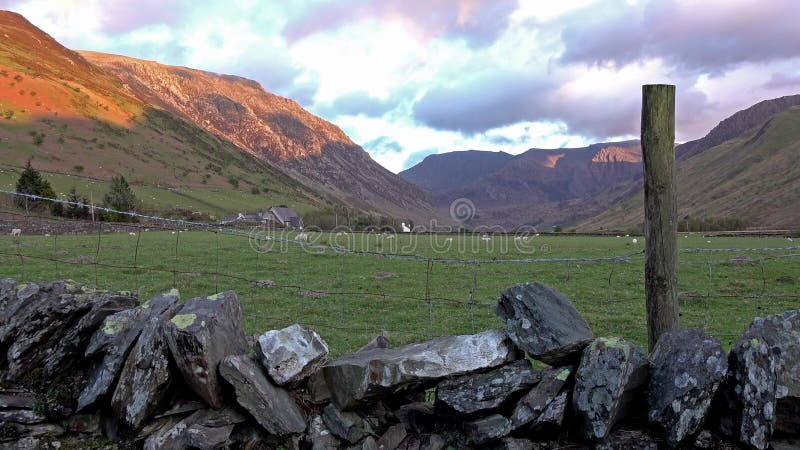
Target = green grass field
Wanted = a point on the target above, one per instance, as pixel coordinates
(350, 298)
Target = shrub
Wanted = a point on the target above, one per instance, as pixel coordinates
(31, 182)
(120, 197)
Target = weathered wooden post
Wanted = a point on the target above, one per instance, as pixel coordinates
(660, 210)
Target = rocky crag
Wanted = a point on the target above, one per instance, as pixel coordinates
(88, 368)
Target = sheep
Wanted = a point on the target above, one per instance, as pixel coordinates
(391, 236)
(790, 239)
(16, 232)
(406, 228)
(302, 236)
(47, 235)
(486, 238)
(173, 232)
(635, 241)
(449, 240)
(132, 233)
(517, 238)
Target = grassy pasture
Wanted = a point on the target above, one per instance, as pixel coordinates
(350, 298)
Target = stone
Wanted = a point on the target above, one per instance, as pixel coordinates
(345, 425)
(317, 388)
(477, 393)
(271, 406)
(433, 442)
(205, 429)
(510, 443)
(392, 437)
(369, 444)
(545, 403)
(18, 399)
(47, 325)
(417, 417)
(686, 369)
(292, 354)
(113, 340)
(380, 341)
(320, 436)
(762, 390)
(486, 429)
(145, 377)
(200, 335)
(629, 439)
(543, 323)
(25, 416)
(83, 423)
(610, 376)
(359, 378)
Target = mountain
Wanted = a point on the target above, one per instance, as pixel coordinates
(271, 128)
(737, 124)
(213, 142)
(454, 169)
(540, 187)
(754, 175)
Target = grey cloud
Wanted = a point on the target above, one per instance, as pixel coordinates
(485, 101)
(694, 36)
(357, 103)
(781, 81)
(477, 21)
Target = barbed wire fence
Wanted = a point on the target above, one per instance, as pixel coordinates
(352, 287)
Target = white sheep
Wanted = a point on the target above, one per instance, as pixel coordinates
(517, 238)
(486, 238)
(449, 240)
(406, 228)
(47, 235)
(790, 239)
(132, 233)
(389, 237)
(302, 236)
(16, 232)
(635, 241)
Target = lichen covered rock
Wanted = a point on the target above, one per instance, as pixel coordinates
(145, 378)
(271, 406)
(200, 335)
(542, 322)
(477, 393)
(610, 376)
(292, 354)
(358, 378)
(686, 368)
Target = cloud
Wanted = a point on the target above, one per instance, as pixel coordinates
(780, 81)
(709, 36)
(356, 103)
(120, 17)
(485, 101)
(477, 21)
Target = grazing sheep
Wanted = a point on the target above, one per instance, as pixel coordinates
(132, 233)
(634, 241)
(16, 232)
(147, 229)
(173, 232)
(517, 238)
(302, 236)
(790, 239)
(449, 240)
(391, 236)
(486, 238)
(618, 236)
(406, 228)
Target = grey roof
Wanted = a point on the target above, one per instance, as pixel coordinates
(285, 215)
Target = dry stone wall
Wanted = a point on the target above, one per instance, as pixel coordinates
(88, 368)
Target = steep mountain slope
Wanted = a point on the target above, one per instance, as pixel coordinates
(72, 117)
(737, 124)
(274, 129)
(540, 187)
(754, 176)
(454, 169)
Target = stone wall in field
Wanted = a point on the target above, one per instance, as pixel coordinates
(86, 368)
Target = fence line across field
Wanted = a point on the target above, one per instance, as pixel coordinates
(430, 311)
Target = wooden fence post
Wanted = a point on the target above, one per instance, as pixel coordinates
(660, 210)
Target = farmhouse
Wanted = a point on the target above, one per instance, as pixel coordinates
(284, 216)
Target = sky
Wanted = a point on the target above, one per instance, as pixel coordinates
(409, 78)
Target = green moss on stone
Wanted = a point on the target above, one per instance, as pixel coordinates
(182, 321)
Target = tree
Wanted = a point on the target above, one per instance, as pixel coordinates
(31, 182)
(79, 210)
(120, 198)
